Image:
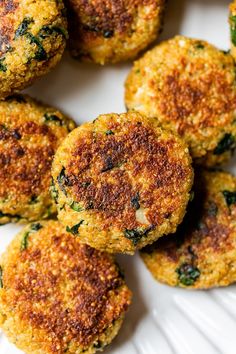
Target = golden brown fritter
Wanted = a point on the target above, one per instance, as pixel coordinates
(32, 40)
(189, 86)
(202, 254)
(30, 133)
(59, 296)
(121, 182)
(105, 31)
(232, 22)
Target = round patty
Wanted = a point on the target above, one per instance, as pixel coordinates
(121, 182)
(232, 22)
(59, 296)
(32, 40)
(189, 86)
(105, 31)
(30, 133)
(202, 254)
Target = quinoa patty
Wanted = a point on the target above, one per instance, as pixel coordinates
(59, 296)
(32, 40)
(30, 133)
(189, 86)
(105, 31)
(202, 254)
(232, 22)
(121, 182)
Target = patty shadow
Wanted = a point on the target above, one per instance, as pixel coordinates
(174, 14)
(137, 309)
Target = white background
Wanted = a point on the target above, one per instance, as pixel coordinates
(161, 320)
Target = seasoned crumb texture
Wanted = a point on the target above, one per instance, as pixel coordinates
(32, 40)
(202, 254)
(30, 133)
(105, 31)
(121, 182)
(58, 296)
(189, 86)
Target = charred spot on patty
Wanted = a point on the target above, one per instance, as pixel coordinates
(94, 298)
(137, 151)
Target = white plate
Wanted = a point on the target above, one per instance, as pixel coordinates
(161, 320)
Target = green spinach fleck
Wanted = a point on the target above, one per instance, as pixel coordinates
(76, 207)
(22, 30)
(233, 29)
(54, 191)
(23, 27)
(98, 345)
(74, 230)
(33, 228)
(135, 235)
(24, 242)
(230, 197)
(63, 180)
(40, 54)
(109, 132)
(226, 52)
(85, 184)
(3, 66)
(33, 199)
(52, 118)
(200, 46)
(47, 31)
(226, 143)
(188, 274)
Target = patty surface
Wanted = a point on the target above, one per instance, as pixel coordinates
(109, 31)
(121, 182)
(202, 253)
(232, 23)
(189, 86)
(59, 296)
(30, 133)
(32, 40)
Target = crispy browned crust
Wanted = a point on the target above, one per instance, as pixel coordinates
(118, 166)
(26, 177)
(7, 8)
(181, 98)
(189, 86)
(98, 159)
(66, 294)
(108, 15)
(27, 145)
(32, 40)
(95, 23)
(205, 240)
